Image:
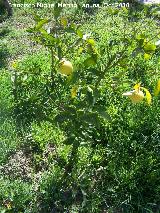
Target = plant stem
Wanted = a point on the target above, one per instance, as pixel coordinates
(72, 160)
(52, 64)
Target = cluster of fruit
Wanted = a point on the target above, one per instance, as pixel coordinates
(136, 96)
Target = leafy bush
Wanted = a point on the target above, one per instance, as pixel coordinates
(91, 149)
(14, 195)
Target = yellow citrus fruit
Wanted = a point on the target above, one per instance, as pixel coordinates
(65, 67)
(135, 96)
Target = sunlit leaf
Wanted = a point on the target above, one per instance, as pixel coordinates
(25, 77)
(74, 91)
(79, 33)
(13, 77)
(140, 36)
(41, 23)
(91, 41)
(47, 36)
(80, 50)
(90, 89)
(125, 9)
(73, 26)
(147, 56)
(140, 39)
(157, 88)
(149, 47)
(14, 64)
(64, 21)
(90, 97)
(36, 17)
(137, 86)
(148, 95)
(31, 30)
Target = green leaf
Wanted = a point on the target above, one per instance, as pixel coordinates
(113, 11)
(91, 41)
(41, 23)
(57, 11)
(80, 112)
(91, 118)
(104, 115)
(96, 94)
(63, 116)
(125, 9)
(79, 33)
(36, 17)
(156, 11)
(30, 30)
(147, 56)
(102, 112)
(25, 77)
(90, 90)
(149, 47)
(123, 62)
(140, 38)
(72, 79)
(90, 62)
(47, 36)
(118, 76)
(157, 89)
(64, 21)
(73, 26)
(80, 50)
(71, 109)
(37, 39)
(70, 140)
(90, 97)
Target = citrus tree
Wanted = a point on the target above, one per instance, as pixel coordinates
(69, 91)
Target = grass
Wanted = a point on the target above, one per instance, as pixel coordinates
(117, 165)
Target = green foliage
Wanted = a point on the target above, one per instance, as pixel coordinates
(8, 135)
(14, 195)
(90, 149)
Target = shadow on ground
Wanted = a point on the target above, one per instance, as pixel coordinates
(4, 52)
(4, 32)
(4, 55)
